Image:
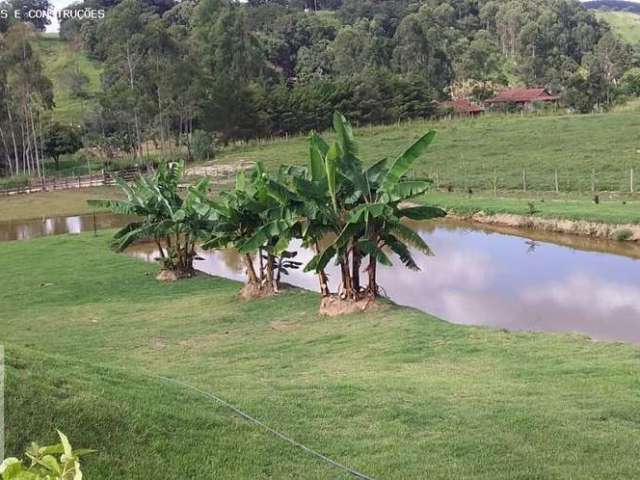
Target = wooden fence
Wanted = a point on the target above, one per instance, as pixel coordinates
(218, 173)
(65, 183)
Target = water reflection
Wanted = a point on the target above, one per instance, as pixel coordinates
(480, 277)
(28, 229)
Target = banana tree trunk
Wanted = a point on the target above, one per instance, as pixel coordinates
(322, 277)
(356, 262)
(347, 286)
(251, 272)
(372, 289)
(271, 284)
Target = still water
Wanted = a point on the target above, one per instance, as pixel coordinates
(39, 227)
(478, 276)
(484, 277)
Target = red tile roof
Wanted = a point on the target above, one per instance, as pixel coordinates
(462, 105)
(523, 95)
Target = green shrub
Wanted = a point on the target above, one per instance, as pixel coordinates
(18, 181)
(623, 235)
(55, 462)
(203, 146)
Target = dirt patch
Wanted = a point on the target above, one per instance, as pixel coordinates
(167, 276)
(334, 306)
(254, 292)
(158, 343)
(282, 326)
(217, 171)
(606, 231)
(171, 276)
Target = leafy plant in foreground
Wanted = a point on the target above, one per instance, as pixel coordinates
(55, 462)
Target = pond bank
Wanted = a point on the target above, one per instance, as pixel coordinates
(599, 230)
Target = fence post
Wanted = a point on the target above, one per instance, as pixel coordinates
(593, 180)
(495, 182)
(557, 183)
(524, 179)
(631, 186)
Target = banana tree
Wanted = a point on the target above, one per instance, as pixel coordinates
(172, 221)
(257, 219)
(369, 205)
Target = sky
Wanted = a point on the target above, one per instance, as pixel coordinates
(58, 4)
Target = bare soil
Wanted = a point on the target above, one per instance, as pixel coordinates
(334, 306)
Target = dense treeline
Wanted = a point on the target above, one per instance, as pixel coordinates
(270, 67)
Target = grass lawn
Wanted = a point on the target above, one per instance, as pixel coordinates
(395, 393)
(473, 153)
(572, 207)
(59, 203)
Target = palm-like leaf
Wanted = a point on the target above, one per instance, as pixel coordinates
(410, 236)
(401, 250)
(344, 132)
(404, 162)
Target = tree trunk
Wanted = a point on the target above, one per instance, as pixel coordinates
(372, 289)
(251, 272)
(322, 277)
(347, 286)
(356, 261)
(270, 279)
(160, 249)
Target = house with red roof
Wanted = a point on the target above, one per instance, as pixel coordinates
(525, 98)
(461, 106)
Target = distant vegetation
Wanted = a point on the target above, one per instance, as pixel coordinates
(237, 71)
(627, 24)
(161, 77)
(613, 5)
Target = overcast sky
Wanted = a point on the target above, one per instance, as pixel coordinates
(58, 4)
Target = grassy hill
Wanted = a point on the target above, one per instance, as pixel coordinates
(475, 153)
(395, 393)
(59, 57)
(627, 24)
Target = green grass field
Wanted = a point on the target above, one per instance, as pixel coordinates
(475, 153)
(395, 393)
(58, 56)
(627, 24)
(614, 209)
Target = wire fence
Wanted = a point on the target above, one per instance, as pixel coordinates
(537, 180)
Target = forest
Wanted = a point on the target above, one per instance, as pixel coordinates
(201, 73)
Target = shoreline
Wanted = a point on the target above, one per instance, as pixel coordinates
(618, 232)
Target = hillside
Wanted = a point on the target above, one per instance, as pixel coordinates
(60, 60)
(626, 23)
(613, 6)
(473, 153)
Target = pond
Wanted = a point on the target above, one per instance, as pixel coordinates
(526, 281)
(39, 227)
